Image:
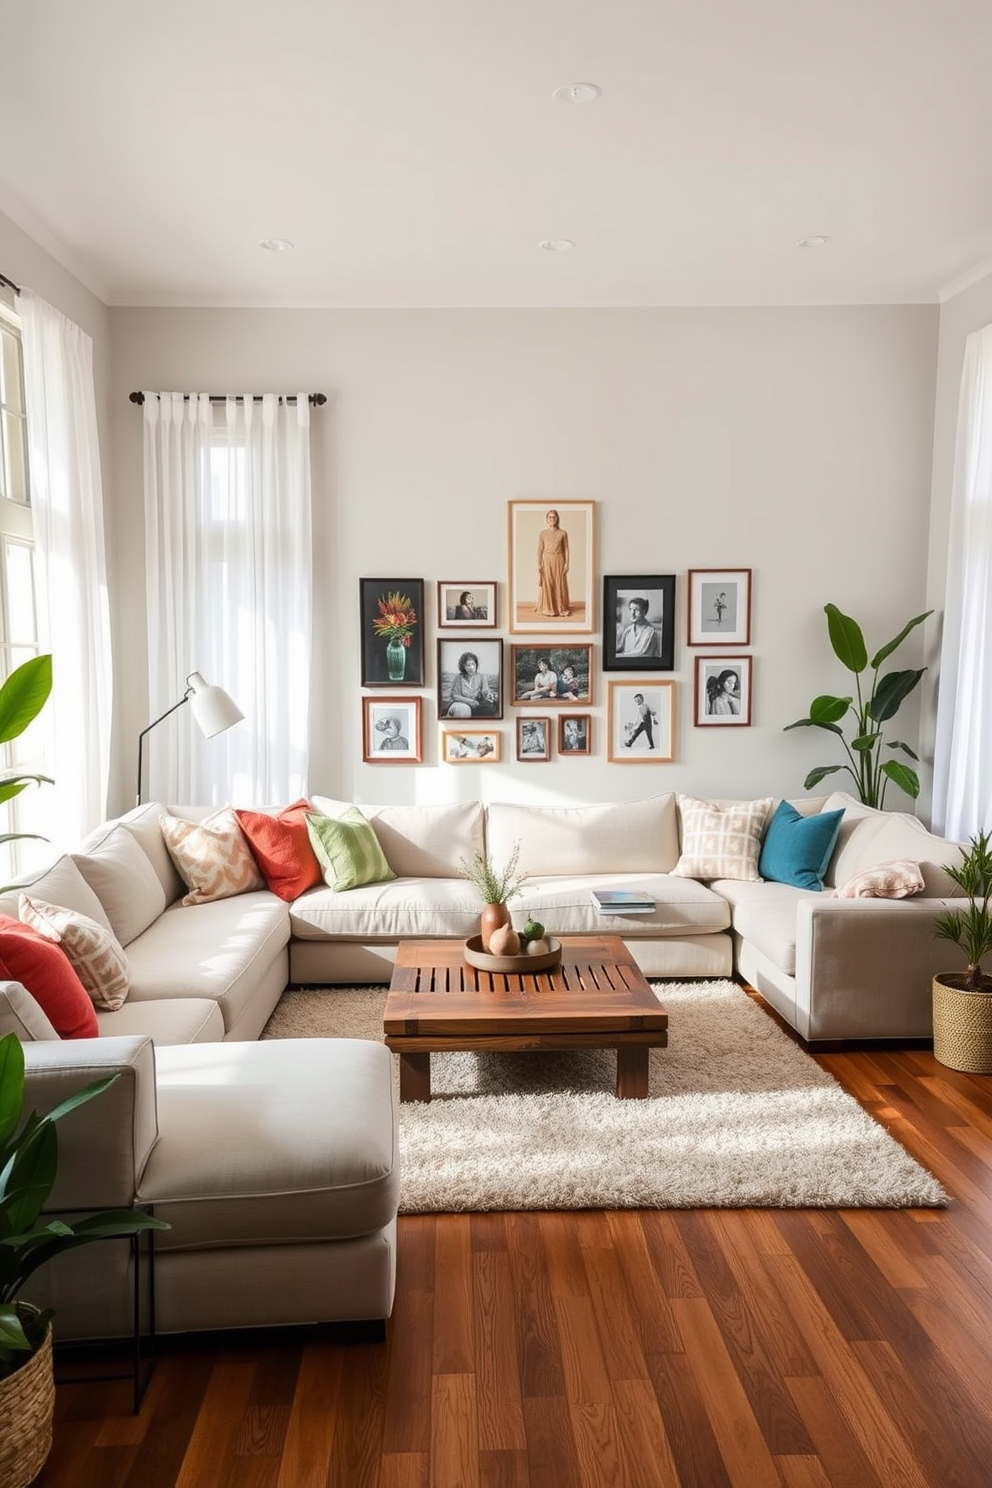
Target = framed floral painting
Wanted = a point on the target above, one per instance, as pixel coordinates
(392, 629)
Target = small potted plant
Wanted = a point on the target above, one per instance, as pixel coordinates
(28, 1167)
(495, 886)
(962, 1000)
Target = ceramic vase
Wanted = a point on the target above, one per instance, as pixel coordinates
(492, 917)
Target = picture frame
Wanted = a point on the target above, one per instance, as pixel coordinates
(392, 632)
(466, 605)
(720, 701)
(469, 679)
(639, 623)
(470, 746)
(550, 674)
(543, 596)
(533, 739)
(719, 607)
(391, 730)
(635, 738)
(574, 734)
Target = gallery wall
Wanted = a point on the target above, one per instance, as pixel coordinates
(796, 443)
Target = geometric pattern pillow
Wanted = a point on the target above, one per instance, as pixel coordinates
(213, 857)
(95, 954)
(722, 841)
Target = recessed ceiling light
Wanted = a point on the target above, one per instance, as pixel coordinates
(818, 240)
(276, 245)
(556, 245)
(576, 93)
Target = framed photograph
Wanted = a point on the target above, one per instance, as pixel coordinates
(551, 565)
(641, 723)
(533, 739)
(470, 746)
(551, 674)
(391, 730)
(574, 734)
(469, 679)
(639, 623)
(723, 691)
(719, 607)
(463, 605)
(392, 621)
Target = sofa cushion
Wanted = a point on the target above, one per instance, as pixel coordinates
(614, 837)
(23, 1015)
(119, 873)
(348, 850)
(896, 880)
(63, 884)
(868, 837)
(310, 1150)
(420, 841)
(95, 953)
(282, 849)
(212, 856)
(167, 1020)
(764, 915)
(796, 849)
(721, 840)
(40, 965)
(143, 824)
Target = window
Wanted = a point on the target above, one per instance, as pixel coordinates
(18, 609)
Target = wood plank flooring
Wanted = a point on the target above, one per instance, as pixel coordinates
(670, 1349)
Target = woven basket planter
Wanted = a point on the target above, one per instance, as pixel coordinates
(962, 1025)
(27, 1403)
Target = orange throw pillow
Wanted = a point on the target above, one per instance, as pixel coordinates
(45, 970)
(282, 849)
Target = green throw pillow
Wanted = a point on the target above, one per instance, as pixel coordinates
(348, 850)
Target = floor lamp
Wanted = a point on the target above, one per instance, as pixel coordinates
(212, 708)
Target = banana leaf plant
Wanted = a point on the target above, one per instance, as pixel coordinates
(28, 1168)
(22, 697)
(871, 706)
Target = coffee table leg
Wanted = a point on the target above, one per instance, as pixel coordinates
(415, 1077)
(632, 1072)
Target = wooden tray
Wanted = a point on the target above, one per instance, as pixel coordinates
(476, 956)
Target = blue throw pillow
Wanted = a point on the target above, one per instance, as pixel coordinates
(796, 849)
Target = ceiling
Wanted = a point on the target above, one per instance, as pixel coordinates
(414, 153)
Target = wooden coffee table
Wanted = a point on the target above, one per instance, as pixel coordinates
(596, 999)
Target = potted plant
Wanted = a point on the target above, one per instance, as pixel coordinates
(495, 886)
(962, 1000)
(869, 771)
(22, 697)
(28, 1169)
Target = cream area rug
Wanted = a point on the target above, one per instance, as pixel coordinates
(737, 1116)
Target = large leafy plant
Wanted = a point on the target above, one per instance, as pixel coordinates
(28, 1167)
(22, 697)
(971, 928)
(871, 706)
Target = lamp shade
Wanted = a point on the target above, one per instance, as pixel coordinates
(212, 708)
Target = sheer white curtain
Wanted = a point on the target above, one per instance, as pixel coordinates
(227, 549)
(70, 566)
(962, 766)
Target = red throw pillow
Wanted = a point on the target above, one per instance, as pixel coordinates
(282, 849)
(45, 970)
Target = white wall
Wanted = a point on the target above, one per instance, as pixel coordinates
(795, 442)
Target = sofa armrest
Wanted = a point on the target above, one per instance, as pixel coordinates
(104, 1144)
(864, 967)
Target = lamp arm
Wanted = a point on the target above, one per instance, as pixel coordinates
(154, 724)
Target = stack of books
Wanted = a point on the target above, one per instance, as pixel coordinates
(622, 901)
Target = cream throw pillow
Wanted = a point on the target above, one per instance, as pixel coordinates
(95, 954)
(722, 841)
(212, 856)
(895, 880)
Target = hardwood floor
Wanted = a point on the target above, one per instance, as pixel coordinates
(663, 1349)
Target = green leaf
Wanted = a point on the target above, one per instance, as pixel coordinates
(31, 1178)
(820, 773)
(831, 728)
(880, 656)
(23, 696)
(14, 784)
(847, 639)
(890, 693)
(829, 709)
(901, 775)
(897, 744)
(11, 1086)
(865, 742)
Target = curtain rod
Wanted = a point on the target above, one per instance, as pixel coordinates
(10, 283)
(316, 400)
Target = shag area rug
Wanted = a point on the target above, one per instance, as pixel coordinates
(737, 1116)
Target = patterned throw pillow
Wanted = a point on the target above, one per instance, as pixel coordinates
(721, 841)
(896, 880)
(95, 954)
(212, 856)
(348, 850)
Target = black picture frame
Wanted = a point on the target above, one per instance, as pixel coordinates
(378, 599)
(650, 625)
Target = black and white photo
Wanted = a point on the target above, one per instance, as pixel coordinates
(723, 690)
(639, 623)
(719, 607)
(641, 722)
(469, 679)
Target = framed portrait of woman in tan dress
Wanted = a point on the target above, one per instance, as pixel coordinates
(551, 566)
